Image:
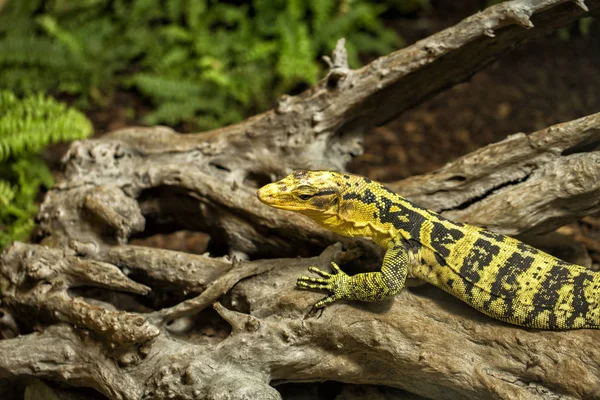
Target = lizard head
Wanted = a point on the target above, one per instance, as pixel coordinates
(308, 192)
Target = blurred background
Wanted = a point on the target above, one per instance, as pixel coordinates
(71, 69)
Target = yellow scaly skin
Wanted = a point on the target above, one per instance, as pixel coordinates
(496, 274)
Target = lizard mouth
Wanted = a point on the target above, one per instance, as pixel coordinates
(270, 196)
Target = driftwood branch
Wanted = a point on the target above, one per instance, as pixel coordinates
(523, 184)
(423, 340)
(85, 308)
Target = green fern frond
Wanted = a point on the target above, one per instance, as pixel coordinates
(296, 60)
(16, 16)
(322, 11)
(30, 174)
(30, 124)
(26, 127)
(7, 193)
(33, 51)
(25, 177)
(166, 89)
(63, 36)
(17, 230)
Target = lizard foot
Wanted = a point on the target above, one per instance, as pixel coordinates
(336, 283)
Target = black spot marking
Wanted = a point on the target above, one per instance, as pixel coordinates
(521, 263)
(374, 214)
(547, 297)
(450, 283)
(552, 323)
(318, 202)
(442, 238)
(300, 173)
(352, 196)
(346, 176)
(369, 197)
(479, 258)
(367, 180)
(525, 248)
(580, 305)
(411, 220)
(325, 192)
(413, 223)
(440, 260)
(505, 285)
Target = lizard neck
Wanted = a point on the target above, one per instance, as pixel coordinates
(367, 208)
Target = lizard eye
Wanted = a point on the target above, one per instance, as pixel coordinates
(305, 196)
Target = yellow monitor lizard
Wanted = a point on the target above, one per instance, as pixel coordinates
(496, 274)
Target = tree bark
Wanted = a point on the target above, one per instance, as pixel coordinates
(85, 308)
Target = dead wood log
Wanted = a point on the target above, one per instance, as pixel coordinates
(80, 303)
(423, 340)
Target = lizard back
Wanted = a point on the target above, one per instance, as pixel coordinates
(496, 274)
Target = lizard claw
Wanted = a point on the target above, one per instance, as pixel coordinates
(332, 282)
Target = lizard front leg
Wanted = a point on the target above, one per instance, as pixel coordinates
(368, 286)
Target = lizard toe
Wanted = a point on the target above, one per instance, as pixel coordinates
(327, 300)
(313, 283)
(319, 271)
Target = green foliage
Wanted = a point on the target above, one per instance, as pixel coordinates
(30, 124)
(18, 207)
(201, 61)
(26, 127)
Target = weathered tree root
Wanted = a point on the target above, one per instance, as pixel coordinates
(89, 310)
(523, 184)
(423, 340)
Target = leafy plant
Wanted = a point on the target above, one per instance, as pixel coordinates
(26, 127)
(201, 61)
